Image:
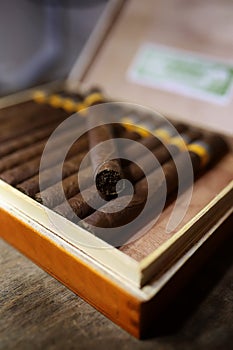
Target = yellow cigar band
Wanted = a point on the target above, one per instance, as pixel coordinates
(200, 151)
(93, 98)
(138, 129)
(179, 142)
(69, 105)
(162, 134)
(40, 96)
(81, 108)
(56, 101)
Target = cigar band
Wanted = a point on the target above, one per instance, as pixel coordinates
(93, 98)
(81, 108)
(163, 134)
(69, 105)
(202, 150)
(55, 101)
(40, 96)
(137, 128)
(179, 142)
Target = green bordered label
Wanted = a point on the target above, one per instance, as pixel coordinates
(183, 72)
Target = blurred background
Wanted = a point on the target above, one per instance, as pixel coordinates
(41, 39)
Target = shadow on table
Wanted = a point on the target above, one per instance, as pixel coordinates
(192, 301)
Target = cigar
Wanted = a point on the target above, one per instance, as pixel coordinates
(29, 152)
(18, 126)
(152, 141)
(26, 140)
(68, 101)
(52, 196)
(109, 172)
(202, 153)
(79, 206)
(9, 112)
(133, 172)
(49, 176)
(144, 125)
(23, 172)
(65, 100)
(162, 153)
(105, 163)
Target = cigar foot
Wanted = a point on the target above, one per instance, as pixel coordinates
(106, 183)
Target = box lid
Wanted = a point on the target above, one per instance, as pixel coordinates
(189, 33)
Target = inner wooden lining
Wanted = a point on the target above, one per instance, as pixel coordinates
(205, 189)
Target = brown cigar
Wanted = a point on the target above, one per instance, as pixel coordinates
(21, 111)
(71, 186)
(52, 196)
(22, 172)
(163, 153)
(18, 126)
(133, 172)
(29, 152)
(109, 172)
(26, 140)
(105, 163)
(214, 146)
(49, 177)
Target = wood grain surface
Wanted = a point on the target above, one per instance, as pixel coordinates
(37, 312)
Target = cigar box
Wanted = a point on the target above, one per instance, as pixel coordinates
(132, 284)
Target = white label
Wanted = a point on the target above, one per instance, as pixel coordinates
(182, 72)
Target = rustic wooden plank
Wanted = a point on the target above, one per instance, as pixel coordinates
(37, 312)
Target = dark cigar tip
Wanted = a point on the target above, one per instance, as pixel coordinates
(38, 198)
(106, 183)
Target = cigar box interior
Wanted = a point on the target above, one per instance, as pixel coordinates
(135, 26)
(142, 267)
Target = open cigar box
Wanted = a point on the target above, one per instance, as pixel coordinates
(132, 283)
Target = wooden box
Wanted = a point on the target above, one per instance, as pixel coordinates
(132, 284)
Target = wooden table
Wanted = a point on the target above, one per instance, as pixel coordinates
(37, 312)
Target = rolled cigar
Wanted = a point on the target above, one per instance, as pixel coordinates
(152, 141)
(142, 124)
(202, 153)
(109, 172)
(68, 101)
(19, 127)
(26, 140)
(105, 163)
(52, 195)
(50, 176)
(65, 100)
(9, 112)
(163, 153)
(79, 206)
(22, 172)
(133, 172)
(23, 155)
(29, 152)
